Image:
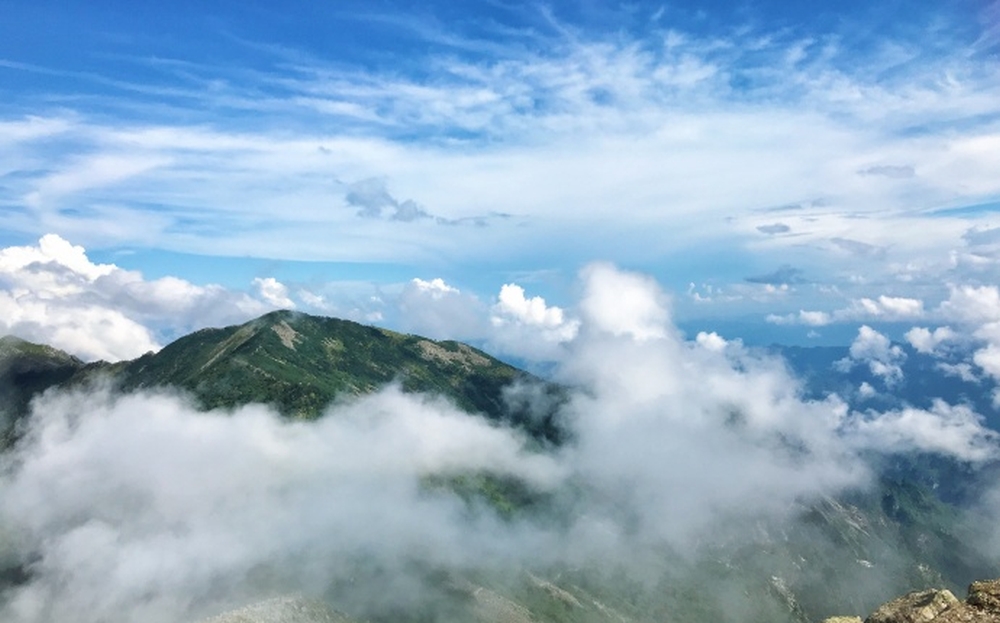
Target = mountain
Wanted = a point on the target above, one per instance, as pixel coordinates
(26, 370)
(296, 362)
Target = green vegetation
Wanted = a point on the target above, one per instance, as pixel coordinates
(507, 496)
(27, 370)
(297, 363)
(300, 363)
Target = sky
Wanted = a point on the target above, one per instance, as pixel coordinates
(636, 194)
(786, 173)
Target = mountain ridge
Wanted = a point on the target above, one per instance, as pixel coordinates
(296, 362)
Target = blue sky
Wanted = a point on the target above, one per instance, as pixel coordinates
(773, 166)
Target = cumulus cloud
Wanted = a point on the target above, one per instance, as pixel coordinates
(888, 308)
(808, 318)
(273, 292)
(972, 304)
(441, 311)
(883, 358)
(623, 303)
(883, 308)
(953, 430)
(435, 288)
(528, 327)
(923, 340)
(53, 293)
(514, 305)
(711, 341)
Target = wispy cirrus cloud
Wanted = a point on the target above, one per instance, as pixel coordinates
(557, 127)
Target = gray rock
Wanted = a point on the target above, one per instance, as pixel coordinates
(915, 607)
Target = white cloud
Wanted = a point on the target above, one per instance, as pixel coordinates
(711, 341)
(926, 341)
(273, 292)
(953, 430)
(513, 304)
(961, 370)
(52, 293)
(883, 308)
(528, 327)
(623, 303)
(440, 311)
(804, 317)
(530, 118)
(814, 318)
(988, 359)
(972, 304)
(90, 172)
(675, 445)
(889, 308)
(315, 301)
(436, 288)
(881, 355)
(146, 510)
(865, 390)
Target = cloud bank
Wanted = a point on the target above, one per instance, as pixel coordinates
(139, 507)
(52, 293)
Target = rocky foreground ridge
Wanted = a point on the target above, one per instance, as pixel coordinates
(938, 606)
(928, 606)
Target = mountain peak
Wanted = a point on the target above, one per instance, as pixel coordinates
(300, 363)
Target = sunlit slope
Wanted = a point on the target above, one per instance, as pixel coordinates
(299, 363)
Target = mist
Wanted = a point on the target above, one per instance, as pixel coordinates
(141, 507)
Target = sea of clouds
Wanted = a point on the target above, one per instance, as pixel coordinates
(141, 507)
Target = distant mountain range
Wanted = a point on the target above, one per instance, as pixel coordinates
(300, 363)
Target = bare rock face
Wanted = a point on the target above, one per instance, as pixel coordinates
(915, 607)
(291, 609)
(940, 606)
(985, 595)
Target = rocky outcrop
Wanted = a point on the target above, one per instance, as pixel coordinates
(939, 606)
(915, 607)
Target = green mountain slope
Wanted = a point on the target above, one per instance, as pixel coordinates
(299, 363)
(26, 370)
(296, 362)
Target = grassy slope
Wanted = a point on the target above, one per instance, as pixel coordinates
(299, 363)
